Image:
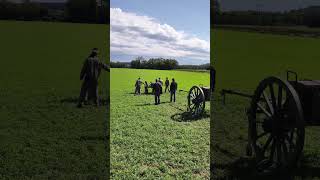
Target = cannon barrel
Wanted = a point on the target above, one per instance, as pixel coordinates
(228, 91)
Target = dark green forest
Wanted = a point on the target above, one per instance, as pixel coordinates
(80, 11)
(309, 16)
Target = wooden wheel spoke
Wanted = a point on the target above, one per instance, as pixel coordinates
(278, 145)
(194, 106)
(270, 138)
(266, 98)
(264, 110)
(285, 151)
(261, 135)
(279, 104)
(201, 105)
(273, 98)
(191, 97)
(290, 141)
(273, 148)
(194, 94)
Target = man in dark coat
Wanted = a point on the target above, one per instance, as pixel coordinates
(173, 90)
(161, 82)
(167, 83)
(138, 87)
(90, 73)
(146, 87)
(157, 91)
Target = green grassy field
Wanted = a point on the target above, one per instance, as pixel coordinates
(242, 60)
(42, 133)
(152, 142)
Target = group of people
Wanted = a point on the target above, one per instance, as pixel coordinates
(157, 88)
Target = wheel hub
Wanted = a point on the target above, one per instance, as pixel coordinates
(277, 122)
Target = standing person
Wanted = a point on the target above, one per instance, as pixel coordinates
(151, 85)
(157, 91)
(167, 83)
(90, 73)
(173, 90)
(146, 87)
(161, 82)
(138, 86)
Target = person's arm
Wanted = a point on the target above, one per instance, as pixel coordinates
(83, 70)
(105, 67)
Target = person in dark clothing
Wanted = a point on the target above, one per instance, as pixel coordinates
(161, 82)
(151, 85)
(167, 83)
(90, 73)
(138, 86)
(157, 91)
(146, 87)
(173, 90)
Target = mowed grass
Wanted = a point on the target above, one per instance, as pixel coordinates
(242, 60)
(42, 133)
(152, 142)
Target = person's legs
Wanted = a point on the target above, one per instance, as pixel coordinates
(86, 99)
(91, 93)
(159, 99)
(96, 93)
(155, 99)
(174, 97)
(171, 96)
(83, 92)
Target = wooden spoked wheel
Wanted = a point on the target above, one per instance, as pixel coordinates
(276, 126)
(196, 101)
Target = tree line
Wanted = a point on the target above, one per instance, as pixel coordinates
(82, 11)
(309, 16)
(156, 63)
(196, 67)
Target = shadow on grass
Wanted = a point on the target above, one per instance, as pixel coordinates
(93, 138)
(145, 94)
(245, 168)
(142, 94)
(151, 104)
(75, 100)
(186, 117)
(305, 170)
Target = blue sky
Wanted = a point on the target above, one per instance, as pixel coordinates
(192, 16)
(177, 29)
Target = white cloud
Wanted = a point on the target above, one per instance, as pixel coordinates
(133, 34)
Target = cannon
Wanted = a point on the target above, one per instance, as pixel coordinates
(277, 116)
(198, 95)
